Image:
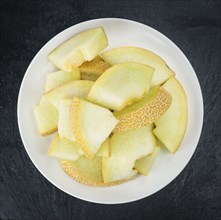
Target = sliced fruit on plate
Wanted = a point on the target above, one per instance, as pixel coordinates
(46, 116)
(140, 55)
(126, 148)
(92, 70)
(144, 164)
(65, 149)
(121, 85)
(65, 119)
(145, 111)
(92, 124)
(58, 78)
(170, 128)
(79, 88)
(89, 172)
(104, 150)
(82, 47)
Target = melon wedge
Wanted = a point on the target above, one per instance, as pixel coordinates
(92, 124)
(104, 150)
(171, 127)
(144, 164)
(58, 78)
(46, 116)
(82, 47)
(126, 148)
(89, 172)
(92, 70)
(65, 149)
(79, 88)
(140, 55)
(121, 85)
(144, 112)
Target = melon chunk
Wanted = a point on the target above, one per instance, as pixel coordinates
(171, 127)
(89, 172)
(144, 164)
(140, 55)
(104, 150)
(79, 88)
(58, 78)
(126, 148)
(92, 124)
(82, 47)
(92, 70)
(46, 116)
(121, 85)
(145, 111)
(65, 149)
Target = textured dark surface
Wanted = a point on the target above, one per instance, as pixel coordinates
(195, 26)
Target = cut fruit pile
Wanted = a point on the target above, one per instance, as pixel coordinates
(112, 111)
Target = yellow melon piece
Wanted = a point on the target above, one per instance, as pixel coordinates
(65, 149)
(121, 85)
(140, 55)
(92, 70)
(104, 150)
(46, 116)
(58, 78)
(144, 112)
(171, 127)
(82, 47)
(89, 172)
(92, 124)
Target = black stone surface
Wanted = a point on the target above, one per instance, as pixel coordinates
(195, 26)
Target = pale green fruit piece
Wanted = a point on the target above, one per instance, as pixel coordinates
(126, 148)
(65, 149)
(104, 150)
(140, 55)
(145, 164)
(79, 88)
(89, 172)
(46, 116)
(58, 78)
(92, 70)
(82, 47)
(171, 127)
(121, 85)
(92, 124)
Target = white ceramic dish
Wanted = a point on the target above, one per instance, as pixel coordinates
(120, 32)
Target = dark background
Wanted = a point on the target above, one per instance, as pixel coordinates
(195, 26)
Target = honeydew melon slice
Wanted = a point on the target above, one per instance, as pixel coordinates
(92, 70)
(92, 124)
(79, 88)
(171, 127)
(121, 85)
(58, 78)
(46, 116)
(144, 164)
(104, 150)
(126, 148)
(89, 172)
(140, 55)
(82, 47)
(65, 149)
(144, 112)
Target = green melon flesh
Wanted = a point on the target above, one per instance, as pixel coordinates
(144, 164)
(92, 124)
(65, 149)
(58, 78)
(121, 85)
(82, 47)
(171, 127)
(140, 55)
(126, 148)
(46, 116)
(104, 150)
(145, 111)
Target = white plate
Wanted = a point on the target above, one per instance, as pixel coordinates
(120, 32)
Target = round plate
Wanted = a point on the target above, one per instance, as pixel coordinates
(120, 32)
